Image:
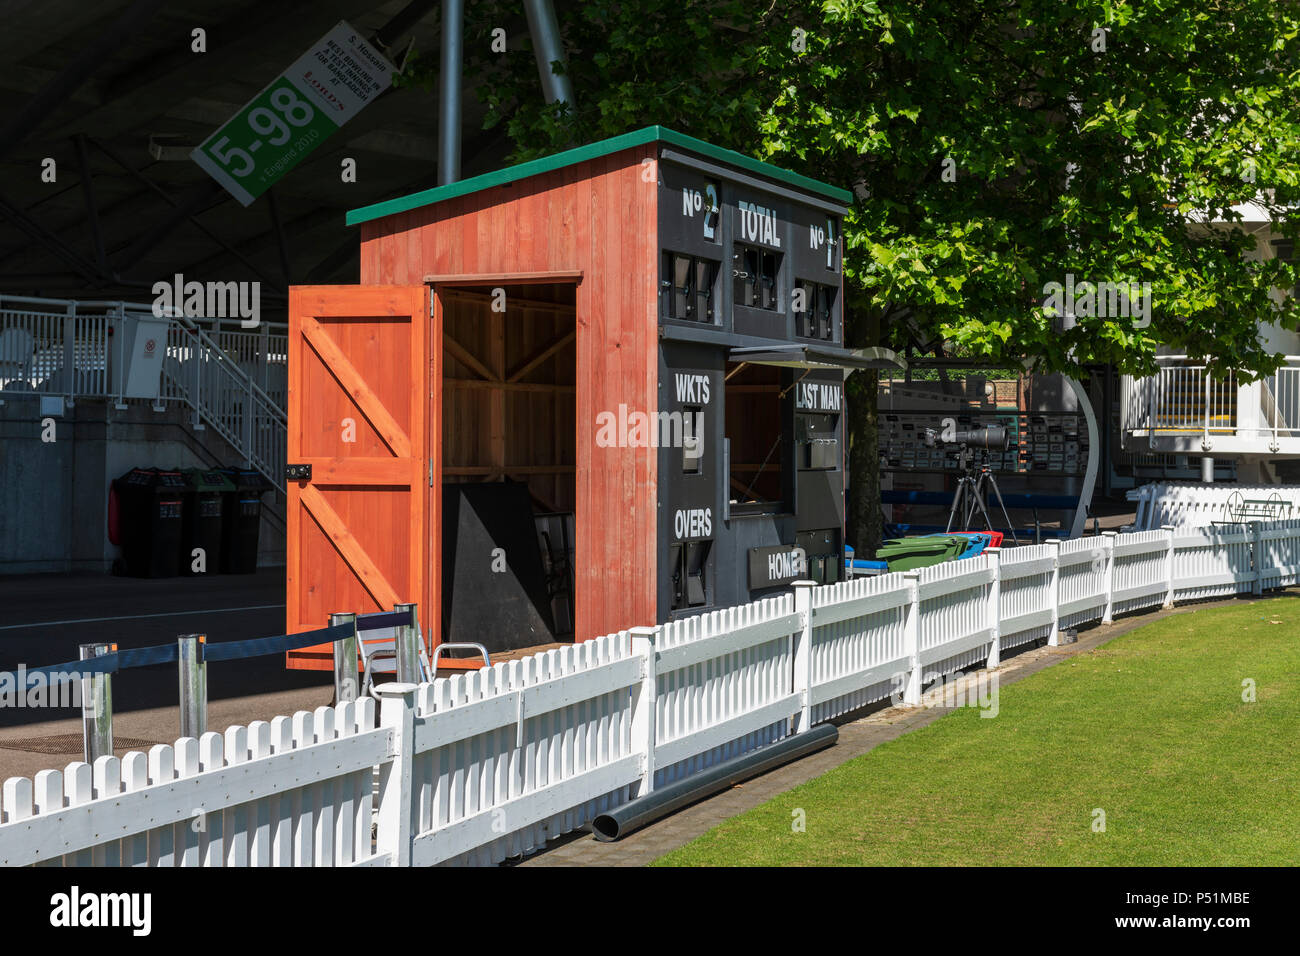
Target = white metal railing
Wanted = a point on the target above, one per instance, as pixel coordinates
(223, 395)
(264, 355)
(493, 764)
(233, 380)
(1184, 398)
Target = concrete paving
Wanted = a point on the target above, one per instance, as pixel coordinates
(857, 737)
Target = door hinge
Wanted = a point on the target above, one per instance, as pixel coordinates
(430, 472)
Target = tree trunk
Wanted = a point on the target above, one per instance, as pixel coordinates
(865, 525)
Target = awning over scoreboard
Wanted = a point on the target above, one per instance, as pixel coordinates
(818, 357)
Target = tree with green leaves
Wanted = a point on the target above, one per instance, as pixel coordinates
(995, 147)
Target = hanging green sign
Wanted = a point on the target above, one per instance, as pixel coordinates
(278, 128)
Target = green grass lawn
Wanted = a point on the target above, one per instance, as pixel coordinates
(1151, 728)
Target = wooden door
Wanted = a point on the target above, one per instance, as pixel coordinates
(358, 530)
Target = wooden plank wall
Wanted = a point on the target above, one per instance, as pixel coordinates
(598, 217)
(509, 399)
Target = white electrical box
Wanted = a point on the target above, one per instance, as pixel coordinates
(140, 343)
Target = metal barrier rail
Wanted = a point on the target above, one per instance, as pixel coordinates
(99, 661)
(116, 661)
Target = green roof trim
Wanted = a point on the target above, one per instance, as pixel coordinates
(546, 164)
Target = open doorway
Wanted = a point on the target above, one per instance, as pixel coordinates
(509, 432)
(756, 430)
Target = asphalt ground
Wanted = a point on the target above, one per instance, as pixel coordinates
(44, 619)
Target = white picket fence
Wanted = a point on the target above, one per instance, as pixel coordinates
(491, 765)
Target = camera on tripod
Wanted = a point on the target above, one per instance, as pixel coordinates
(971, 496)
(987, 438)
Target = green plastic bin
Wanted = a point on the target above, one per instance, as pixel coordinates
(908, 554)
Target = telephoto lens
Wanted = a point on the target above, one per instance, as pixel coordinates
(993, 438)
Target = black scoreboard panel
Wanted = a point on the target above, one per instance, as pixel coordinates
(690, 475)
(1040, 444)
(748, 260)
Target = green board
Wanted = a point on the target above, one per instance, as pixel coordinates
(295, 113)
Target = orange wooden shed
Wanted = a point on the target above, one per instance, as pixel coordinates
(499, 318)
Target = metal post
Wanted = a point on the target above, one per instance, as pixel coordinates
(193, 676)
(801, 654)
(264, 346)
(196, 359)
(248, 424)
(1205, 437)
(449, 87)
(345, 660)
(97, 707)
(995, 609)
(407, 645)
(643, 706)
(70, 351)
(547, 48)
(1207, 470)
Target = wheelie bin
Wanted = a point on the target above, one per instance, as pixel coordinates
(241, 520)
(202, 521)
(908, 554)
(150, 504)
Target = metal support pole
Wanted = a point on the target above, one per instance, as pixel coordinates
(1207, 470)
(345, 660)
(449, 88)
(97, 707)
(407, 645)
(70, 351)
(544, 29)
(92, 210)
(248, 424)
(193, 677)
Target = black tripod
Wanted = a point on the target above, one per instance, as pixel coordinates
(972, 493)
